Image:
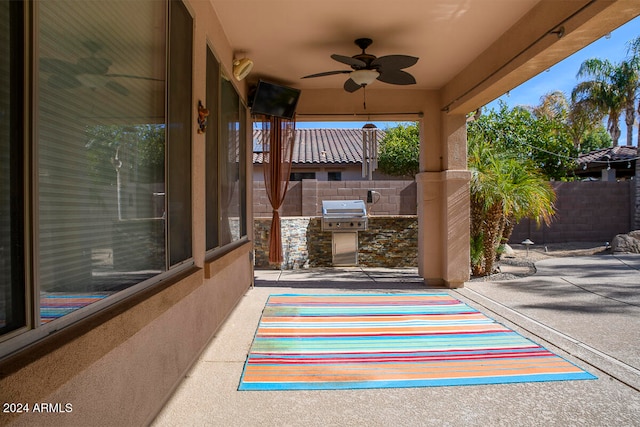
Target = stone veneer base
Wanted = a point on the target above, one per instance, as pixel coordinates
(390, 241)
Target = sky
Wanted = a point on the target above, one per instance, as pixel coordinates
(561, 76)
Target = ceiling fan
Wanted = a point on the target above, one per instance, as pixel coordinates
(90, 71)
(365, 68)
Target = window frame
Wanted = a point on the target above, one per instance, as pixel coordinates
(212, 141)
(214, 136)
(18, 164)
(181, 109)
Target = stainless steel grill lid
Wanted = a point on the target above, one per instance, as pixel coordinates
(344, 215)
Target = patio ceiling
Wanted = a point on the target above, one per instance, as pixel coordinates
(471, 51)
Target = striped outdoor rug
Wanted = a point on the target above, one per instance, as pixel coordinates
(389, 340)
(58, 304)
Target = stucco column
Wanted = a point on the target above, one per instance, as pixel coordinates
(443, 200)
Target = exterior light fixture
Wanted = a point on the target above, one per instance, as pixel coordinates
(363, 78)
(527, 243)
(242, 68)
(369, 150)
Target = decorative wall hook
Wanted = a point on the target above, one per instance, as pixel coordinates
(203, 113)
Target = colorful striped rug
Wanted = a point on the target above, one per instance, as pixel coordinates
(348, 341)
(57, 304)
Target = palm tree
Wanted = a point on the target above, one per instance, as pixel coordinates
(504, 190)
(602, 94)
(578, 118)
(485, 201)
(583, 121)
(553, 105)
(633, 50)
(531, 196)
(627, 76)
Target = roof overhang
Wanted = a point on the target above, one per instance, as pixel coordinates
(471, 52)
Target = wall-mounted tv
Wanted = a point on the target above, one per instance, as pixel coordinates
(272, 99)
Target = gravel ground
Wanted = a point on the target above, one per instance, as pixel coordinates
(519, 262)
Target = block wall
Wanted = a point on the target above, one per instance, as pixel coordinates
(585, 212)
(305, 197)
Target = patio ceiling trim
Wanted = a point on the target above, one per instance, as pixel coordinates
(559, 30)
(418, 114)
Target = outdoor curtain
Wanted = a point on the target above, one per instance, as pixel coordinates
(277, 147)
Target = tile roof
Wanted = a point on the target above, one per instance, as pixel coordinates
(615, 154)
(321, 146)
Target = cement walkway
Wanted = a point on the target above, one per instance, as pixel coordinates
(585, 309)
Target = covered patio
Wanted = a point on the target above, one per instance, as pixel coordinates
(596, 333)
(178, 246)
(469, 54)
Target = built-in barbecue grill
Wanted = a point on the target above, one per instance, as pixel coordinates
(344, 218)
(344, 215)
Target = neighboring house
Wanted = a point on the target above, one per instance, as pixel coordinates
(608, 164)
(322, 154)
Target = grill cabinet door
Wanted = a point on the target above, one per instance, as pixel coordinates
(345, 248)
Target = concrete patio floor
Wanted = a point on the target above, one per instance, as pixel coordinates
(586, 309)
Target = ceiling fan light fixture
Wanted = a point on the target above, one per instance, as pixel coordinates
(367, 68)
(364, 77)
(242, 68)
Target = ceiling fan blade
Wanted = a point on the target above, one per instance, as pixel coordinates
(351, 86)
(397, 77)
(130, 76)
(93, 65)
(353, 62)
(394, 61)
(117, 88)
(63, 81)
(327, 73)
(57, 66)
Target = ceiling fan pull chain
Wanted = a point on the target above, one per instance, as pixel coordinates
(364, 96)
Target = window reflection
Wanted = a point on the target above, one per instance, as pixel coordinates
(230, 207)
(100, 149)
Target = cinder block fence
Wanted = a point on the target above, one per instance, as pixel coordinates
(305, 197)
(585, 212)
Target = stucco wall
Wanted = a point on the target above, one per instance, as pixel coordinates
(121, 372)
(118, 366)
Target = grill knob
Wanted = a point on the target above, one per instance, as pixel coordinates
(352, 224)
